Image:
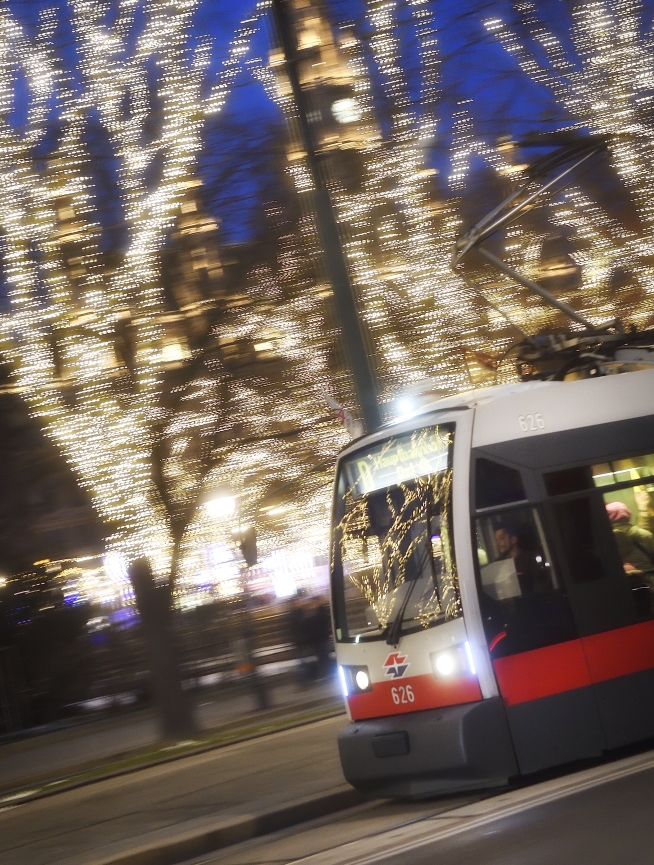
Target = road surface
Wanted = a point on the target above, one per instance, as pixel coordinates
(600, 816)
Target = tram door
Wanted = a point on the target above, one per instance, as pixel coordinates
(530, 624)
(603, 517)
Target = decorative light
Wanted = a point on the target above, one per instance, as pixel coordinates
(221, 507)
(604, 81)
(346, 110)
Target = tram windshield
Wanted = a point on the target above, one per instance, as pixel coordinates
(393, 560)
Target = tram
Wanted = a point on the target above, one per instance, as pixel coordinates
(492, 581)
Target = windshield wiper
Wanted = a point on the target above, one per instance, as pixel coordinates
(394, 628)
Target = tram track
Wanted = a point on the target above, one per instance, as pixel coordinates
(397, 832)
(473, 816)
(359, 823)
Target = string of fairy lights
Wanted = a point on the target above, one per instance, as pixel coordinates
(105, 408)
(286, 313)
(418, 312)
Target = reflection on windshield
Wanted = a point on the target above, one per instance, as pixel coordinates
(394, 546)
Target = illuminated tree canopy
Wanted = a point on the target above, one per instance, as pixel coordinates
(86, 342)
(99, 396)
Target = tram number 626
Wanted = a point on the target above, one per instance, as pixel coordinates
(531, 422)
(403, 694)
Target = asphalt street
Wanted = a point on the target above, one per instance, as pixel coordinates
(608, 825)
(600, 816)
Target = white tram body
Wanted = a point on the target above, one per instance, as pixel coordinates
(492, 584)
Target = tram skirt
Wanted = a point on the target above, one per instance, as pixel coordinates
(430, 752)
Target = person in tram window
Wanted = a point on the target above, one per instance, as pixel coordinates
(635, 545)
(528, 570)
(521, 606)
(644, 497)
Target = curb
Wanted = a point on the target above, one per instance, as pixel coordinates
(225, 833)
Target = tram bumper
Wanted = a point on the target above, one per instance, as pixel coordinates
(430, 752)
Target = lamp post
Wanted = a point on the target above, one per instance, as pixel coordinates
(221, 505)
(334, 258)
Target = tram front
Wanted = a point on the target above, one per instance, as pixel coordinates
(404, 642)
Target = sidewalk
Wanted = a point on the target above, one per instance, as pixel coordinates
(74, 749)
(170, 812)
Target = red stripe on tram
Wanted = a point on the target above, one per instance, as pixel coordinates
(575, 664)
(620, 652)
(424, 692)
(542, 672)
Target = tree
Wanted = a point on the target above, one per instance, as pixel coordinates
(84, 339)
(149, 439)
(419, 314)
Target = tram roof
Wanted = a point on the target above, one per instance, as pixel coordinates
(501, 411)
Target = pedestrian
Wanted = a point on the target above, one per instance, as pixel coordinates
(320, 636)
(299, 624)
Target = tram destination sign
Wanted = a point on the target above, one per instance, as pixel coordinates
(399, 459)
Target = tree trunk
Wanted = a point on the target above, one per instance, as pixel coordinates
(173, 705)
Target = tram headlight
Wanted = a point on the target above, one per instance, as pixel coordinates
(452, 662)
(356, 680)
(445, 663)
(362, 680)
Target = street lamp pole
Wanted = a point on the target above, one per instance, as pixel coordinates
(221, 504)
(335, 263)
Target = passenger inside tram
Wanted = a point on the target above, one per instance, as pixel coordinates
(511, 558)
(522, 604)
(644, 498)
(529, 572)
(635, 544)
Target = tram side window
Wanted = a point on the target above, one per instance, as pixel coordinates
(629, 511)
(584, 542)
(496, 484)
(568, 481)
(511, 555)
(580, 478)
(627, 487)
(617, 527)
(523, 605)
(633, 469)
